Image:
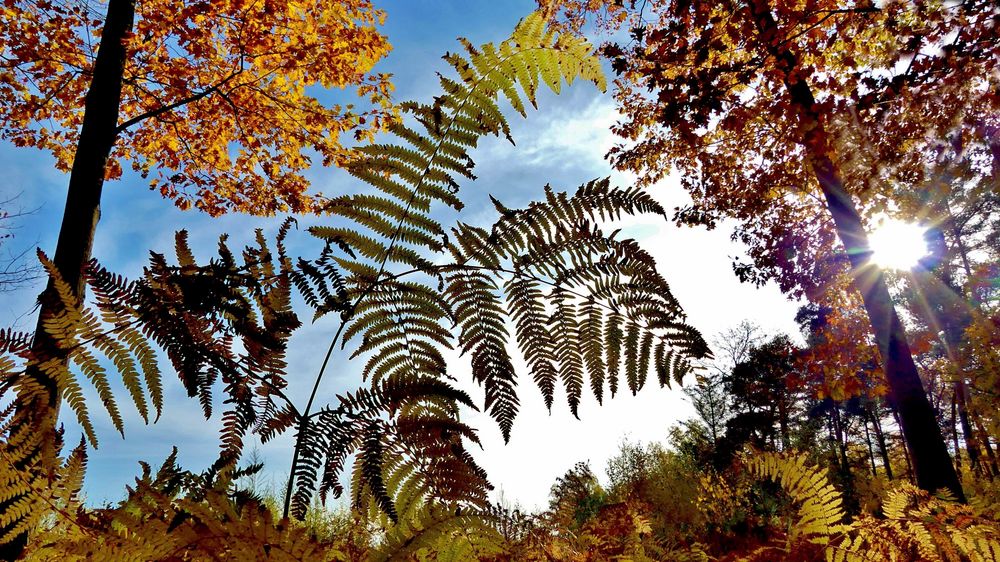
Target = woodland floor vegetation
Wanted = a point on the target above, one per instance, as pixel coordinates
(873, 436)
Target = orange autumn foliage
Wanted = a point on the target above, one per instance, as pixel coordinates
(843, 359)
(216, 101)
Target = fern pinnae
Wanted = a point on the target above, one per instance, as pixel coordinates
(591, 335)
(632, 334)
(524, 302)
(370, 468)
(151, 375)
(644, 351)
(127, 369)
(565, 328)
(477, 91)
(479, 315)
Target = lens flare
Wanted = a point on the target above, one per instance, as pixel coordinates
(898, 245)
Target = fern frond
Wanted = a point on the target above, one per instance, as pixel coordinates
(820, 512)
(440, 532)
(917, 525)
(526, 308)
(480, 317)
(566, 333)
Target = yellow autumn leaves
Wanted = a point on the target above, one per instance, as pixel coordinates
(217, 101)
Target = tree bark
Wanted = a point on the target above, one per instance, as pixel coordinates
(906, 449)
(954, 433)
(986, 445)
(931, 461)
(76, 235)
(882, 448)
(871, 449)
(971, 444)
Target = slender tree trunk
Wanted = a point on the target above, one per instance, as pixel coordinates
(931, 461)
(959, 243)
(871, 450)
(850, 495)
(906, 449)
(882, 448)
(783, 425)
(971, 443)
(963, 388)
(838, 428)
(954, 434)
(76, 235)
(986, 445)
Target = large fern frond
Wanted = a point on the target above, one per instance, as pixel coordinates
(402, 324)
(820, 511)
(584, 304)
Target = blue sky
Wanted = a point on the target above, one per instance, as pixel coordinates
(563, 144)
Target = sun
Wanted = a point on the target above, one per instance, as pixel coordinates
(898, 245)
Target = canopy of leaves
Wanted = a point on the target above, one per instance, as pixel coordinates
(216, 99)
(703, 95)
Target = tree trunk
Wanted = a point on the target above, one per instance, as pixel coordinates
(971, 444)
(931, 461)
(986, 445)
(871, 449)
(906, 449)
(954, 433)
(882, 448)
(786, 441)
(838, 428)
(76, 235)
(850, 495)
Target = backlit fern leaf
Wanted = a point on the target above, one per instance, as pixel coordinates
(591, 336)
(424, 167)
(527, 309)
(565, 327)
(220, 320)
(632, 358)
(401, 325)
(584, 304)
(480, 317)
(370, 465)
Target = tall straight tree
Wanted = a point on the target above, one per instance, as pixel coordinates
(774, 112)
(208, 96)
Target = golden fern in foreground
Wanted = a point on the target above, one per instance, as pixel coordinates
(177, 515)
(914, 525)
(222, 320)
(820, 511)
(918, 526)
(33, 497)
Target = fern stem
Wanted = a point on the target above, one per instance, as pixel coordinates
(304, 420)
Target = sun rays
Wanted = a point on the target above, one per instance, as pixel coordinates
(898, 245)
